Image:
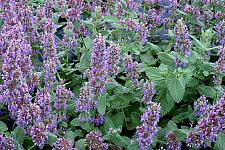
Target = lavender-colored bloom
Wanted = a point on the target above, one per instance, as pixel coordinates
(173, 4)
(194, 140)
(220, 64)
(39, 134)
(6, 143)
(85, 101)
(70, 37)
(130, 25)
(153, 1)
(43, 99)
(200, 106)
(147, 130)
(172, 142)
(131, 68)
(98, 119)
(119, 12)
(75, 7)
(149, 91)
(220, 29)
(28, 114)
(112, 59)
(218, 15)
(50, 57)
(132, 5)
(166, 23)
(209, 125)
(95, 141)
(63, 144)
(179, 63)
(98, 72)
(48, 8)
(155, 19)
(183, 41)
(143, 33)
(62, 96)
(188, 9)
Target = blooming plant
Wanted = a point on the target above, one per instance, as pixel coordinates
(116, 74)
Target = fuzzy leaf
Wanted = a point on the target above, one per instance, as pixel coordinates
(3, 127)
(176, 88)
(220, 144)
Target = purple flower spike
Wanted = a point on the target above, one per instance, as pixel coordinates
(147, 130)
(183, 41)
(95, 141)
(172, 142)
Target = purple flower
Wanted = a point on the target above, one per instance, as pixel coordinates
(220, 64)
(119, 12)
(172, 142)
(131, 68)
(149, 91)
(43, 100)
(85, 102)
(39, 134)
(143, 33)
(98, 119)
(220, 29)
(63, 144)
(183, 42)
(75, 7)
(62, 97)
(6, 143)
(147, 130)
(113, 59)
(200, 106)
(155, 19)
(95, 141)
(194, 140)
(48, 8)
(98, 62)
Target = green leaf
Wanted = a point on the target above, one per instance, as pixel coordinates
(171, 126)
(118, 119)
(147, 58)
(52, 138)
(166, 58)
(118, 102)
(133, 146)
(180, 117)
(176, 88)
(3, 127)
(18, 135)
(153, 74)
(80, 144)
(75, 122)
(207, 91)
(153, 47)
(166, 102)
(220, 142)
(70, 135)
(101, 107)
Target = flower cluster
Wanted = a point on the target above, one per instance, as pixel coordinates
(200, 106)
(131, 69)
(75, 7)
(98, 72)
(113, 59)
(149, 91)
(63, 144)
(143, 33)
(220, 64)
(148, 128)
(62, 97)
(183, 42)
(208, 126)
(39, 134)
(95, 141)
(172, 142)
(6, 143)
(220, 28)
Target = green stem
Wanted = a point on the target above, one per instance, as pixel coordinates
(31, 147)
